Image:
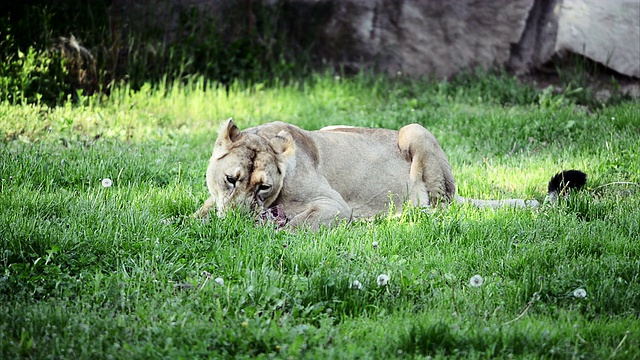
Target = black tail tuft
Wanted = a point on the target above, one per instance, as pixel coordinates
(567, 180)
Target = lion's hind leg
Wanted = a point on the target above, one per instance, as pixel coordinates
(431, 179)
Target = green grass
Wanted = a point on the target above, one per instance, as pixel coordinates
(124, 272)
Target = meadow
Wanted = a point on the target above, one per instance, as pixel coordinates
(123, 271)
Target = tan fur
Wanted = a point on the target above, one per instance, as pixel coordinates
(326, 176)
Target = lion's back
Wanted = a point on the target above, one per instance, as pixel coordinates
(364, 165)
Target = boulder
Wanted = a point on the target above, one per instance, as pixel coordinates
(442, 38)
(605, 31)
(424, 37)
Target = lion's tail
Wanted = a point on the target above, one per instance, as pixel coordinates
(560, 184)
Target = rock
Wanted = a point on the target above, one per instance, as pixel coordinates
(442, 38)
(423, 37)
(537, 44)
(605, 31)
(631, 90)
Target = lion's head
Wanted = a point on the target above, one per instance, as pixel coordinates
(247, 170)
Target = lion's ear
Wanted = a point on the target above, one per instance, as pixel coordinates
(283, 144)
(228, 133)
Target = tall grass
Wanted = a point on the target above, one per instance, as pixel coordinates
(123, 271)
(69, 48)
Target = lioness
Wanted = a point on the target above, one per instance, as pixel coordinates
(315, 178)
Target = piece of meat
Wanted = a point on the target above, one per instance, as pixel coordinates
(274, 214)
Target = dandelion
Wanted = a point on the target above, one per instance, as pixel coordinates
(375, 244)
(357, 285)
(106, 182)
(219, 281)
(383, 279)
(580, 293)
(476, 281)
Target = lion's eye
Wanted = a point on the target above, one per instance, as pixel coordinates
(264, 187)
(231, 180)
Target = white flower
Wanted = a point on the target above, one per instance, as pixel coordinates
(476, 281)
(106, 182)
(375, 244)
(219, 281)
(383, 279)
(580, 293)
(355, 284)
